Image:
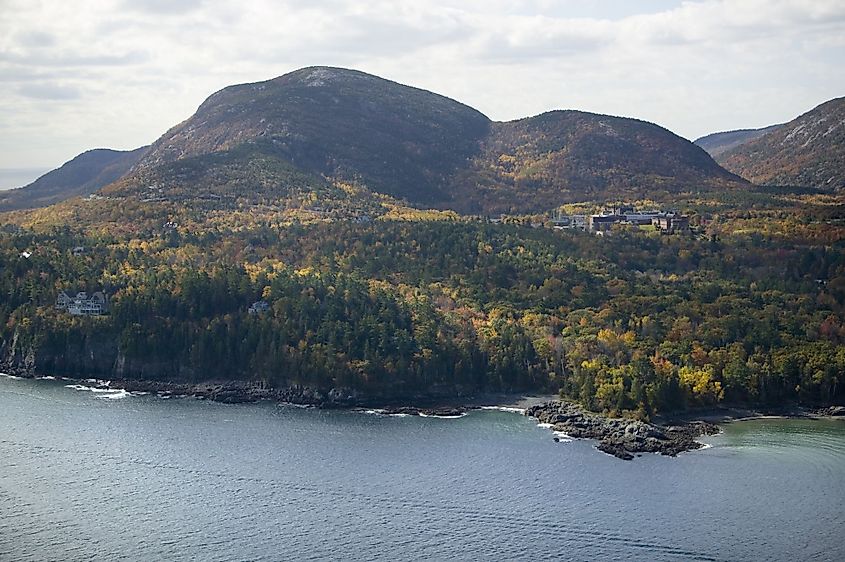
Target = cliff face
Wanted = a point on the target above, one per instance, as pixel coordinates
(84, 356)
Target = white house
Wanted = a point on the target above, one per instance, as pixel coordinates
(259, 307)
(82, 304)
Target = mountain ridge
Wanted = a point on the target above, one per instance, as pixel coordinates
(808, 151)
(433, 151)
(82, 175)
(420, 147)
(718, 143)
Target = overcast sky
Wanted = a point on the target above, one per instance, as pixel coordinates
(81, 74)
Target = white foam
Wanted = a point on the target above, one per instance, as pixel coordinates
(512, 410)
(442, 417)
(5, 375)
(80, 387)
(544, 425)
(100, 392)
(115, 395)
(47, 378)
(399, 415)
(563, 437)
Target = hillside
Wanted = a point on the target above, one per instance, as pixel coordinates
(718, 143)
(809, 151)
(83, 175)
(430, 150)
(536, 163)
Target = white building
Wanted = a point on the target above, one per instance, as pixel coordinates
(82, 304)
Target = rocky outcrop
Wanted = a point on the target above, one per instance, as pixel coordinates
(235, 392)
(620, 437)
(833, 411)
(438, 412)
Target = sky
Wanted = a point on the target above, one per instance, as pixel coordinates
(76, 75)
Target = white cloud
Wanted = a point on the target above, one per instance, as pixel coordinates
(119, 73)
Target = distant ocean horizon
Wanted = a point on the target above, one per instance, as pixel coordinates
(11, 178)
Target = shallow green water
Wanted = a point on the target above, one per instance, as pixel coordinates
(93, 476)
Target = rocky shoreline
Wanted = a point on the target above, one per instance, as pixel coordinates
(620, 437)
(236, 392)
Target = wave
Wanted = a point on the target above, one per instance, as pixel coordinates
(510, 409)
(107, 393)
(544, 425)
(8, 376)
(47, 378)
(115, 394)
(442, 417)
(80, 387)
(562, 437)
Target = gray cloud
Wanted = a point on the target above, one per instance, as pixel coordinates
(162, 6)
(50, 91)
(64, 60)
(692, 65)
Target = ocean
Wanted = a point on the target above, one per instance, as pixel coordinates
(90, 475)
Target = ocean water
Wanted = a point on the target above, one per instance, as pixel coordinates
(112, 476)
(11, 178)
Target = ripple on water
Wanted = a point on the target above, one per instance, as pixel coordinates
(173, 480)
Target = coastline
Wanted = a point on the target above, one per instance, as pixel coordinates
(735, 413)
(242, 392)
(623, 438)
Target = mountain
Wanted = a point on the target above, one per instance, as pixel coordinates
(425, 148)
(399, 140)
(83, 175)
(717, 144)
(809, 151)
(536, 163)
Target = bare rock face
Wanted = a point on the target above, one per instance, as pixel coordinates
(622, 438)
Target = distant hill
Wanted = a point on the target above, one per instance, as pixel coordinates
(83, 175)
(809, 151)
(428, 149)
(717, 144)
(538, 162)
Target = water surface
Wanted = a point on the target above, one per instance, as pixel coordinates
(105, 476)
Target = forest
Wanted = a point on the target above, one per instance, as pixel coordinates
(748, 309)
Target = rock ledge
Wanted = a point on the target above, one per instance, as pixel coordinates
(622, 438)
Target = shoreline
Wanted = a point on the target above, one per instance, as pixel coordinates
(238, 392)
(731, 414)
(623, 438)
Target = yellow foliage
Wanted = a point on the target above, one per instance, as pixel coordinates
(700, 382)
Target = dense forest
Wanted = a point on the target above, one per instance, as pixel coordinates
(746, 309)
